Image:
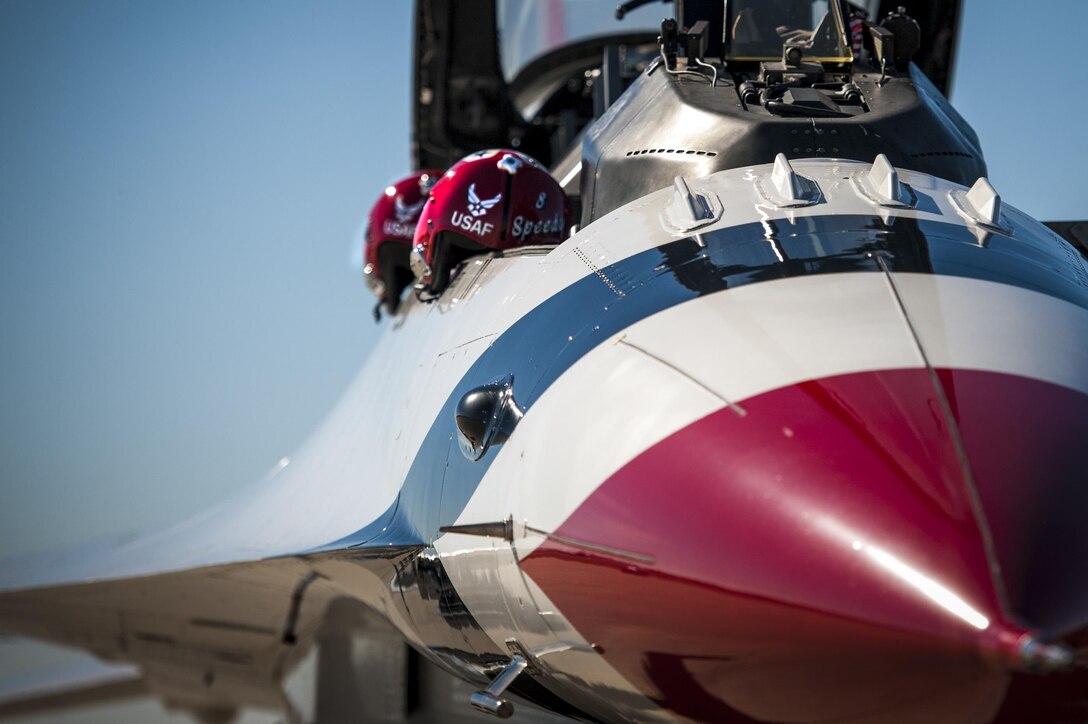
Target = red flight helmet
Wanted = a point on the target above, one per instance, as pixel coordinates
(490, 200)
(389, 236)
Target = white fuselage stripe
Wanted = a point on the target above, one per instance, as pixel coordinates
(668, 370)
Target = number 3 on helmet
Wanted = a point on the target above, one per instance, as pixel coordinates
(491, 200)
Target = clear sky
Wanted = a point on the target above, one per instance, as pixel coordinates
(182, 190)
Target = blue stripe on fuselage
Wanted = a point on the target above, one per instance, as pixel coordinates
(543, 344)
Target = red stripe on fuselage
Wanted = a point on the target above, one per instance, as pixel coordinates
(818, 558)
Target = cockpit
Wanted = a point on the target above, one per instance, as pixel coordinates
(753, 30)
(706, 85)
(761, 30)
(532, 29)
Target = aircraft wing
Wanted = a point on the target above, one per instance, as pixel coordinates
(208, 639)
(212, 613)
(78, 681)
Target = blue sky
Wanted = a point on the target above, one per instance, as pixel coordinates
(182, 189)
(183, 185)
(1015, 84)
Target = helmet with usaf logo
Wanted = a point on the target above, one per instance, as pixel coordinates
(490, 200)
(389, 234)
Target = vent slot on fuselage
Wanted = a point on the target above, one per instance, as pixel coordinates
(931, 154)
(677, 151)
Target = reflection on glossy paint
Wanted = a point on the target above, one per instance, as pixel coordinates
(770, 235)
(929, 587)
(818, 560)
(925, 585)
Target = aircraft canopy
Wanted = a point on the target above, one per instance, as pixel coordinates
(529, 29)
(759, 29)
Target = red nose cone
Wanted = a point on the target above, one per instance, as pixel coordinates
(1028, 446)
(827, 555)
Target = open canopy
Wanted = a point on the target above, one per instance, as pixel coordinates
(760, 29)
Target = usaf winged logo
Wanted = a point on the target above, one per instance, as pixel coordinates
(478, 206)
(406, 213)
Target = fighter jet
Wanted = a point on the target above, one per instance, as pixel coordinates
(790, 428)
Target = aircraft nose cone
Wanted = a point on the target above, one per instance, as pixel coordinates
(836, 552)
(1027, 443)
